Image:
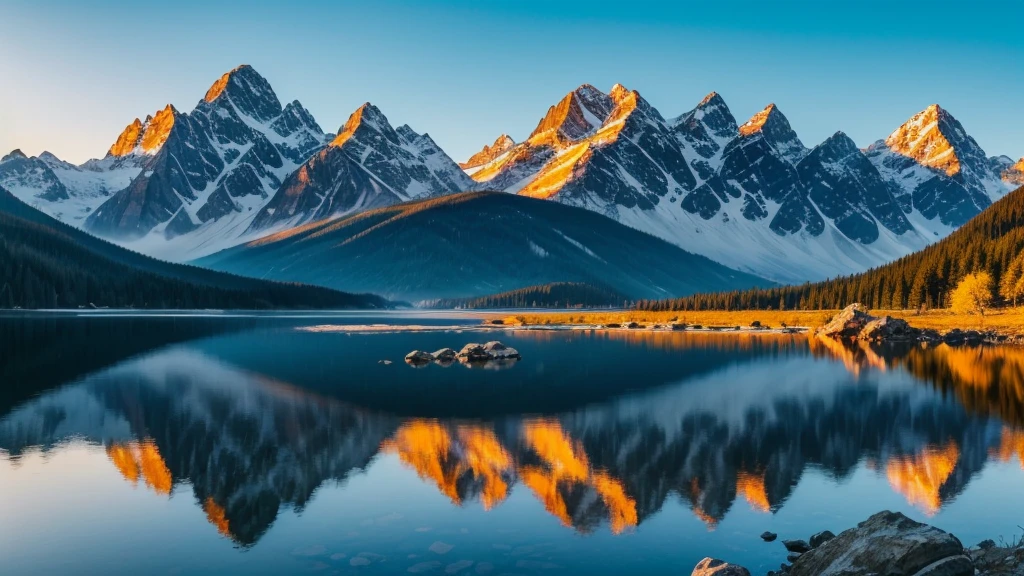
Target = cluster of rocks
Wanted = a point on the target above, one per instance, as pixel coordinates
(888, 544)
(854, 323)
(470, 353)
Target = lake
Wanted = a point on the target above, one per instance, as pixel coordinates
(249, 444)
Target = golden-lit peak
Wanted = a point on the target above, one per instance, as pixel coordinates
(366, 112)
(218, 87)
(620, 93)
(707, 99)
(920, 478)
(502, 144)
(757, 121)
(921, 138)
(128, 139)
(158, 129)
(136, 460)
(752, 487)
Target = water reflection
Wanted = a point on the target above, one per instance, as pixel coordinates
(247, 444)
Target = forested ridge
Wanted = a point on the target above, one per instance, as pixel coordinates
(989, 242)
(554, 295)
(47, 264)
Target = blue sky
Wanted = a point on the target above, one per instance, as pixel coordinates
(73, 76)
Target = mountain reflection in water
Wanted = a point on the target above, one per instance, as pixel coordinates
(248, 444)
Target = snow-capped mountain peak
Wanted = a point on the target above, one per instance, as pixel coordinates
(576, 115)
(13, 154)
(502, 144)
(924, 138)
(248, 92)
(773, 125)
(145, 137)
(1014, 175)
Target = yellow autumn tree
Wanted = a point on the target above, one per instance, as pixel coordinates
(973, 295)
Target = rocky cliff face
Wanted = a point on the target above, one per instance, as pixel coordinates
(216, 164)
(369, 164)
(752, 196)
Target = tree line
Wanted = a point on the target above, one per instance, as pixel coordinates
(990, 243)
(554, 295)
(45, 267)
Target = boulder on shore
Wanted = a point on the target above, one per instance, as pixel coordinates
(887, 328)
(887, 543)
(847, 324)
(713, 567)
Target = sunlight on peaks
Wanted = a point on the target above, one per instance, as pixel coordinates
(141, 459)
(423, 446)
(621, 508)
(751, 486)
(920, 478)
(216, 516)
(697, 505)
(487, 459)
(1011, 446)
(567, 461)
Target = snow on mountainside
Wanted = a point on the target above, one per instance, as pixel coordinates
(489, 154)
(64, 191)
(205, 174)
(752, 196)
(368, 165)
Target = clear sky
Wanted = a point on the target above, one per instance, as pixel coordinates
(73, 74)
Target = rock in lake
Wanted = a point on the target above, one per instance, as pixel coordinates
(846, 324)
(821, 537)
(499, 351)
(445, 355)
(798, 546)
(887, 328)
(769, 536)
(419, 357)
(713, 567)
(887, 543)
(473, 352)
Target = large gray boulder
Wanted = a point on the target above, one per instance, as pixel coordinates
(473, 352)
(848, 323)
(887, 544)
(419, 357)
(499, 351)
(713, 567)
(887, 328)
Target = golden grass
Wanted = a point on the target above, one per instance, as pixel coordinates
(1009, 320)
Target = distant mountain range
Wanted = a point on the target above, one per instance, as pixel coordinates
(47, 264)
(476, 243)
(239, 166)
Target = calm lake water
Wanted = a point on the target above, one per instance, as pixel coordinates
(231, 445)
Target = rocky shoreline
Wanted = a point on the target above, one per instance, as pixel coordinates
(854, 323)
(886, 544)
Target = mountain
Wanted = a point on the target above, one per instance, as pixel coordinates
(489, 154)
(47, 264)
(989, 241)
(67, 192)
(751, 196)
(938, 170)
(368, 165)
(1014, 173)
(472, 244)
(206, 173)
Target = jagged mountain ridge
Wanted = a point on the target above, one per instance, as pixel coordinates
(212, 167)
(751, 195)
(476, 243)
(368, 165)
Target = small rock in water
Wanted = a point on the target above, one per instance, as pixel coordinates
(385, 362)
(798, 546)
(473, 352)
(440, 547)
(769, 536)
(498, 350)
(419, 357)
(793, 556)
(713, 567)
(445, 355)
(821, 537)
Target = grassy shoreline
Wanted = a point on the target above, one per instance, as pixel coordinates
(1009, 321)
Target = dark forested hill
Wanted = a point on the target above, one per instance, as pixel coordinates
(47, 264)
(554, 295)
(988, 242)
(477, 243)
